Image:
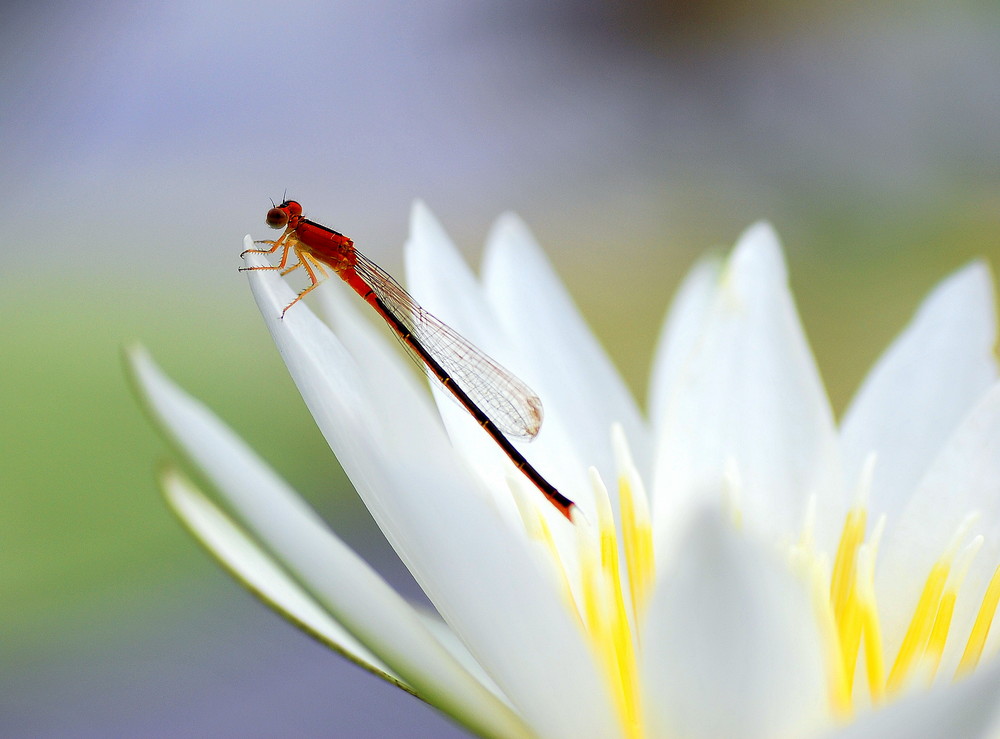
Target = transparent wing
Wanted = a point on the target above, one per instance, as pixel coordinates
(508, 402)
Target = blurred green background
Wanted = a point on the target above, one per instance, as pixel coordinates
(140, 141)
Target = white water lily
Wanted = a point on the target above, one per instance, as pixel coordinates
(782, 577)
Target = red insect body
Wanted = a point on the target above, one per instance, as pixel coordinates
(499, 402)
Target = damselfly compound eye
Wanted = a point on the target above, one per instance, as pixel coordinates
(276, 218)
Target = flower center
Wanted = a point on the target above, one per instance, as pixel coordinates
(851, 614)
(609, 599)
(593, 579)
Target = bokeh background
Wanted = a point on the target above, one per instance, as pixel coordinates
(139, 141)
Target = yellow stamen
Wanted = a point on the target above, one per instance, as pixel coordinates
(849, 630)
(868, 613)
(852, 606)
(596, 613)
(848, 594)
(614, 628)
(630, 543)
(942, 622)
(847, 610)
(840, 692)
(939, 632)
(920, 627)
(842, 580)
(814, 568)
(637, 529)
(981, 627)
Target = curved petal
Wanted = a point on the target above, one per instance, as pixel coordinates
(681, 332)
(262, 576)
(340, 580)
(450, 641)
(749, 414)
(390, 371)
(577, 380)
(959, 494)
(922, 386)
(730, 643)
(479, 573)
(966, 709)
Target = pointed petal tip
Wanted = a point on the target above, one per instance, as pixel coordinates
(508, 223)
(757, 258)
(426, 232)
(970, 291)
(141, 370)
(978, 263)
(174, 485)
(760, 230)
(134, 352)
(974, 278)
(422, 219)
(759, 242)
(271, 293)
(418, 207)
(508, 239)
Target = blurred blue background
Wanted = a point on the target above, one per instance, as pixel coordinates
(140, 141)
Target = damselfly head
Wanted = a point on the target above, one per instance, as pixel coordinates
(280, 215)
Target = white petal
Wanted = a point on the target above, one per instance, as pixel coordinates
(353, 593)
(262, 575)
(439, 278)
(749, 414)
(480, 574)
(681, 332)
(731, 647)
(922, 386)
(965, 709)
(390, 370)
(963, 480)
(576, 379)
(445, 285)
(450, 641)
